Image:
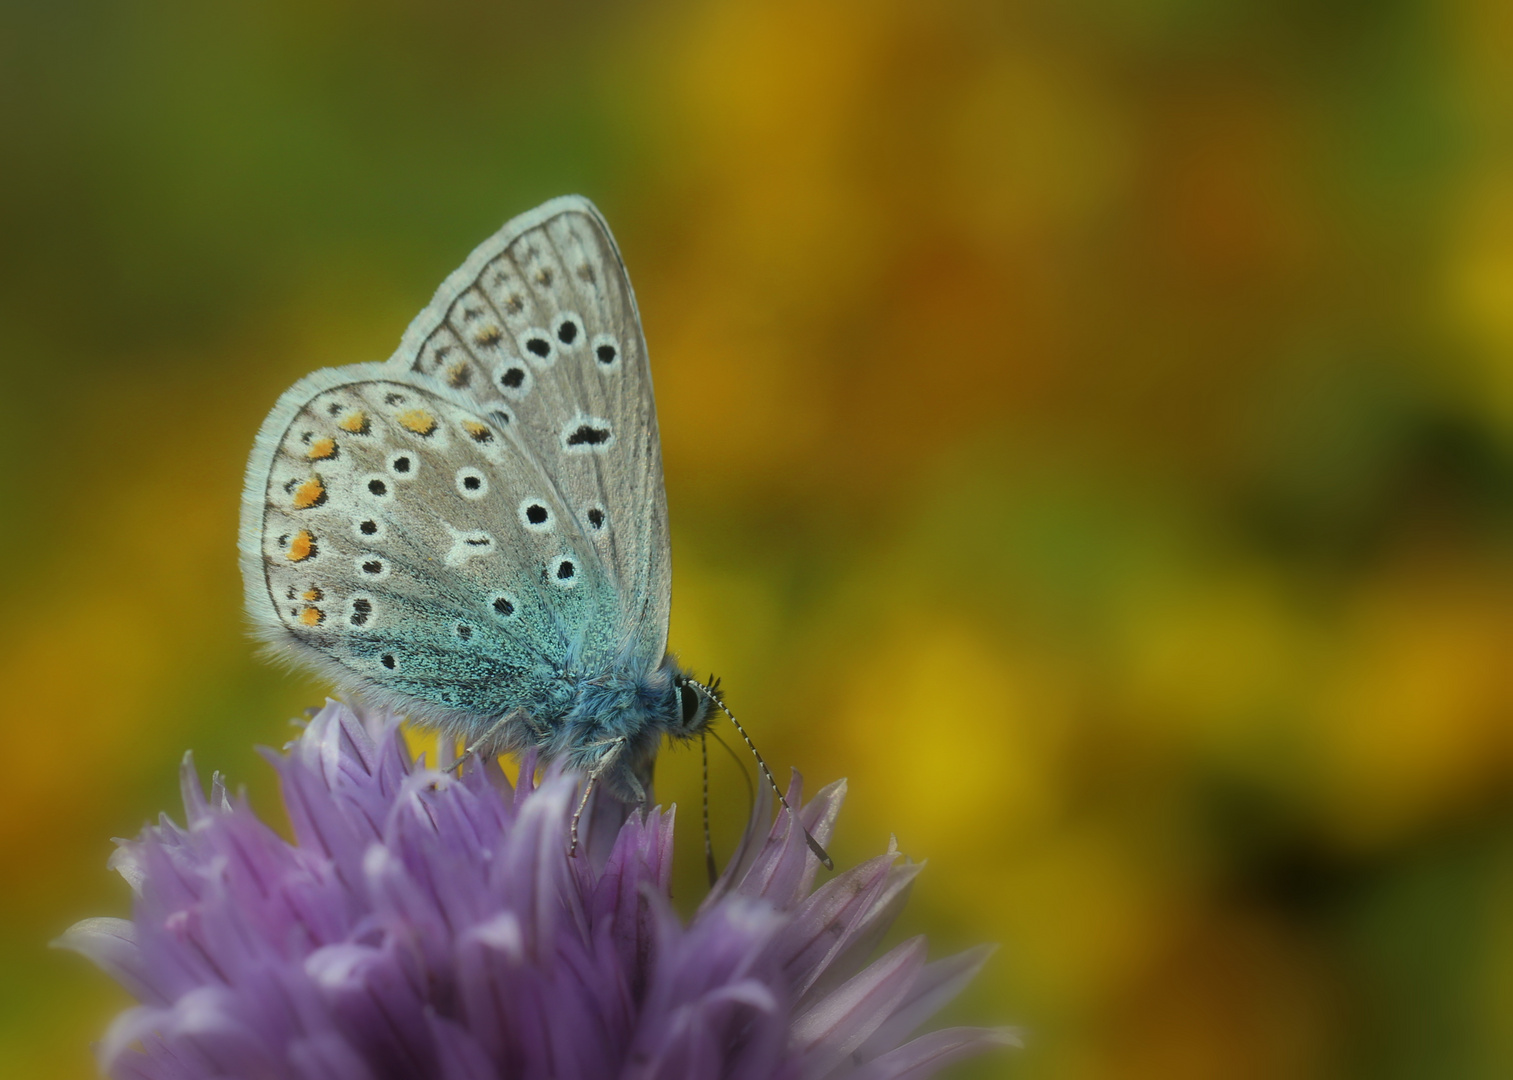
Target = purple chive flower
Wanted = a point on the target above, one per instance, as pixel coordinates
(430, 925)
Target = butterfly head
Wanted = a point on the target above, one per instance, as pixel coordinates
(613, 729)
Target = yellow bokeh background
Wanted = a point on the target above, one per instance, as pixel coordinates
(1088, 428)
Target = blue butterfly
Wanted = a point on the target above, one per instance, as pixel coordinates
(474, 532)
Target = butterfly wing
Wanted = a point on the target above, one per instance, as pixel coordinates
(407, 543)
(541, 322)
(460, 530)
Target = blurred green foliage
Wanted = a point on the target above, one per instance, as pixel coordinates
(1088, 427)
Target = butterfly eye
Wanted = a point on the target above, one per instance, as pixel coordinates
(690, 699)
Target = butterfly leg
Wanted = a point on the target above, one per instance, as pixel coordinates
(492, 730)
(600, 768)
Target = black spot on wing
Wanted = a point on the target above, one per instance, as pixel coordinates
(588, 435)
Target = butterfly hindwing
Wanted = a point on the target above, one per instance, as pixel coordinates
(408, 542)
(541, 325)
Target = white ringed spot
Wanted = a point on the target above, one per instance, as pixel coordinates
(536, 515)
(370, 528)
(471, 483)
(360, 612)
(403, 464)
(586, 435)
(563, 571)
(568, 330)
(538, 346)
(515, 379)
(606, 351)
(467, 544)
(376, 486)
(371, 567)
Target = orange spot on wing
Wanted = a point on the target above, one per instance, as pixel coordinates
(302, 546)
(312, 616)
(311, 493)
(312, 594)
(321, 449)
(479, 432)
(417, 420)
(355, 422)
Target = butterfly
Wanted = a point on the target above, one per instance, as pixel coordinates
(474, 532)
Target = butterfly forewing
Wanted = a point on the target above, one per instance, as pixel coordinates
(540, 325)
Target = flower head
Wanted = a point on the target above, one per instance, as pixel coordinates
(425, 924)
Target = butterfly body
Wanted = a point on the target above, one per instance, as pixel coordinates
(475, 532)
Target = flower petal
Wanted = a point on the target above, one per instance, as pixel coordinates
(847, 915)
(784, 868)
(837, 1024)
(426, 923)
(112, 945)
(459, 1057)
(326, 1056)
(937, 984)
(929, 1053)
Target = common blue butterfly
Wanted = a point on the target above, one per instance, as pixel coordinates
(474, 532)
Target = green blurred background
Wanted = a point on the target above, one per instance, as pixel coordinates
(1088, 427)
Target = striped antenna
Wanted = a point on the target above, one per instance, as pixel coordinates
(814, 845)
